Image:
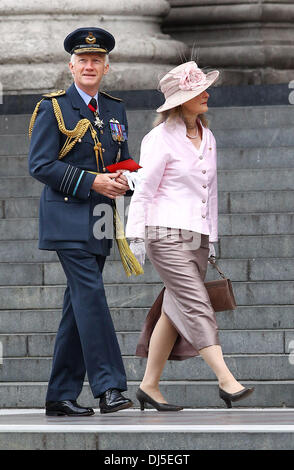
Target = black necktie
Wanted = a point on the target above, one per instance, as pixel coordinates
(93, 105)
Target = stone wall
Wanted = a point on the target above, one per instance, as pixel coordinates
(251, 41)
(34, 60)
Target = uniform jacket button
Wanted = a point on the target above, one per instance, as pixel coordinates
(203, 171)
(66, 199)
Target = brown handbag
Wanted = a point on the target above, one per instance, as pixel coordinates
(220, 291)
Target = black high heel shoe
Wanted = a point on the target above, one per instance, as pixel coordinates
(229, 397)
(144, 398)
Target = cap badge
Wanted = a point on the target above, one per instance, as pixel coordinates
(90, 39)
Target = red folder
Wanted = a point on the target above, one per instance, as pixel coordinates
(129, 164)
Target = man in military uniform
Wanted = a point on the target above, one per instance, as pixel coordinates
(75, 134)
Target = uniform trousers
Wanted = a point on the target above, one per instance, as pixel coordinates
(86, 340)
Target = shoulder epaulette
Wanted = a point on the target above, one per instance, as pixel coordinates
(54, 94)
(110, 96)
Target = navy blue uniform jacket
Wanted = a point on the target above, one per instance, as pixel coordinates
(67, 201)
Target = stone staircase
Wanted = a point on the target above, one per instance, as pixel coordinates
(256, 250)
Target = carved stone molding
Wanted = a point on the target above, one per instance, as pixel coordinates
(250, 41)
(34, 60)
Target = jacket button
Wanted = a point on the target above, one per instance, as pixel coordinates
(66, 199)
(203, 200)
(203, 217)
(204, 186)
(103, 150)
(201, 157)
(203, 171)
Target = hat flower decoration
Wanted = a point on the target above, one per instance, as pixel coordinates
(191, 77)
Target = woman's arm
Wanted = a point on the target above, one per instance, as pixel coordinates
(153, 159)
(213, 197)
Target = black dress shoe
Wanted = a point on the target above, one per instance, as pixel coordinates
(67, 408)
(144, 398)
(229, 397)
(112, 400)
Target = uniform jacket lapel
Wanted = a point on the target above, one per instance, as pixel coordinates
(79, 104)
(104, 110)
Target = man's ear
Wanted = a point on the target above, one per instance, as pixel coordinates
(106, 69)
(71, 68)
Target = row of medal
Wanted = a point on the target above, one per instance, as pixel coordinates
(118, 131)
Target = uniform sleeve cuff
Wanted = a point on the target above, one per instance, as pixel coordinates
(76, 182)
(83, 186)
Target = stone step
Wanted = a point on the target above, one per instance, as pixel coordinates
(254, 137)
(14, 166)
(228, 203)
(229, 118)
(255, 201)
(233, 342)
(266, 246)
(254, 317)
(257, 157)
(243, 367)
(192, 394)
(141, 295)
(253, 180)
(263, 246)
(228, 158)
(127, 433)
(250, 117)
(228, 180)
(229, 224)
(280, 269)
(24, 250)
(18, 144)
(19, 186)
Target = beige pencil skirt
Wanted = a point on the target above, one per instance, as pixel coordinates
(180, 257)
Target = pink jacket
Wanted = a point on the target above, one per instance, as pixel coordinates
(179, 186)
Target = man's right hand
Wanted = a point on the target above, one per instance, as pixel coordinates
(105, 184)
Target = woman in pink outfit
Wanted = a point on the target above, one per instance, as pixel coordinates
(173, 215)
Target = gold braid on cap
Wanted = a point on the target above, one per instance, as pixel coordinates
(72, 136)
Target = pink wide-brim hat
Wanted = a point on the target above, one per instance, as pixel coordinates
(183, 83)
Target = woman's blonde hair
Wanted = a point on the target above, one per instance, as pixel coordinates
(175, 113)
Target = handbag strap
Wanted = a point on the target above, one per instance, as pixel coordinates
(212, 261)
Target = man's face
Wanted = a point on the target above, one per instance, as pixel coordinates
(88, 70)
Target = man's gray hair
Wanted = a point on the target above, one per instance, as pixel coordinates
(73, 57)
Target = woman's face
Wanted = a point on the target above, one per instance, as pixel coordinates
(197, 105)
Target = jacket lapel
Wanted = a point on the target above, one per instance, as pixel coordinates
(79, 104)
(104, 111)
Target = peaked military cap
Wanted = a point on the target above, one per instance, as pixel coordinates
(85, 40)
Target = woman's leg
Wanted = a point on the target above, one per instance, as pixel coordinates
(213, 356)
(161, 343)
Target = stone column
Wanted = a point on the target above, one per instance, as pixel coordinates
(250, 41)
(33, 59)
